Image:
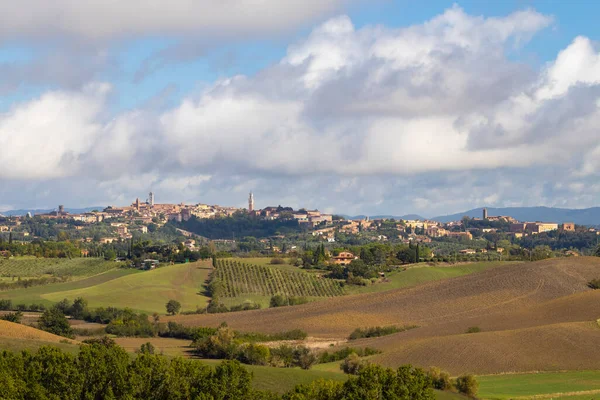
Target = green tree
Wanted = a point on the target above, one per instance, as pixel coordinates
(107, 373)
(79, 308)
(173, 307)
(467, 385)
(13, 317)
(54, 321)
(110, 255)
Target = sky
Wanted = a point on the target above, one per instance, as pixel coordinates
(349, 106)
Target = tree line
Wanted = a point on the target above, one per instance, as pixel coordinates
(103, 370)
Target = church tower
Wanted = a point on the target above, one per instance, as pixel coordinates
(250, 202)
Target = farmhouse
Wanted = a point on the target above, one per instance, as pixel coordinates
(344, 258)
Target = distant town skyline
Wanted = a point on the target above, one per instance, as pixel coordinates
(354, 107)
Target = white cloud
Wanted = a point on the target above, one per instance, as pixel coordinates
(359, 115)
(47, 137)
(107, 19)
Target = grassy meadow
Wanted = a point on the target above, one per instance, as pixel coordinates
(548, 384)
(143, 291)
(147, 291)
(42, 294)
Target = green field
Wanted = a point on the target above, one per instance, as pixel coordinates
(423, 273)
(37, 267)
(39, 294)
(548, 383)
(146, 291)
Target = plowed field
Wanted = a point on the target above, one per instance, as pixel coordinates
(533, 316)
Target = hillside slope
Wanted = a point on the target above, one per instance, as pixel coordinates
(510, 287)
(147, 291)
(10, 330)
(569, 346)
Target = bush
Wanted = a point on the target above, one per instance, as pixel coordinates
(305, 357)
(54, 321)
(439, 379)
(147, 348)
(467, 385)
(378, 331)
(246, 306)
(277, 261)
(327, 357)
(131, 324)
(13, 317)
(594, 283)
(282, 301)
(278, 301)
(5, 305)
(294, 334)
(178, 331)
(255, 354)
(474, 329)
(220, 345)
(353, 364)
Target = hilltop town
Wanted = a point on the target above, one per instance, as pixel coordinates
(284, 229)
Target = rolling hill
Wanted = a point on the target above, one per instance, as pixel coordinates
(147, 291)
(10, 330)
(516, 306)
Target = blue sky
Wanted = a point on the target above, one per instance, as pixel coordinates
(349, 106)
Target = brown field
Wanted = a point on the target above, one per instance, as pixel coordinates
(11, 330)
(534, 316)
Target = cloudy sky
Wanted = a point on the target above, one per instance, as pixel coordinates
(349, 106)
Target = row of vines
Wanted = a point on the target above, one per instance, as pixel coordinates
(238, 279)
(35, 267)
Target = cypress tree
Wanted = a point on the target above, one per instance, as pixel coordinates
(417, 254)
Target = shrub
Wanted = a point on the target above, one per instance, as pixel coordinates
(305, 357)
(353, 364)
(277, 261)
(147, 348)
(594, 283)
(255, 354)
(247, 305)
(439, 379)
(294, 334)
(13, 317)
(474, 329)
(282, 301)
(220, 345)
(467, 385)
(178, 331)
(5, 305)
(378, 331)
(327, 357)
(54, 321)
(131, 324)
(278, 301)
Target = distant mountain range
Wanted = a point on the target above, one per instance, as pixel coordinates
(584, 216)
(407, 216)
(17, 213)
